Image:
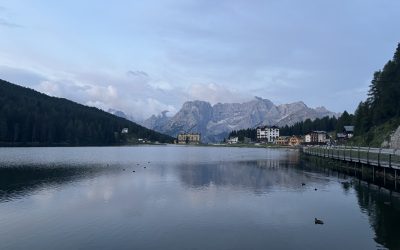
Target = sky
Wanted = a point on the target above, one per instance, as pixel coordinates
(143, 57)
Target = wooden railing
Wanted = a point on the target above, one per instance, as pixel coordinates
(387, 158)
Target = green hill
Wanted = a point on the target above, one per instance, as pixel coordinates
(29, 118)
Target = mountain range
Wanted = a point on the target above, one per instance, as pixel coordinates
(215, 122)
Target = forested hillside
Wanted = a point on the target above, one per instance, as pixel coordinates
(28, 117)
(376, 117)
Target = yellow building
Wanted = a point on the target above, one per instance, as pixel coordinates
(189, 138)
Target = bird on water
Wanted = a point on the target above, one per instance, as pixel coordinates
(317, 221)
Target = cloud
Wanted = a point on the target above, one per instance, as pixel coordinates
(107, 94)
(215, 93)
(145, 107)
(138, 96)
(161, 85)
(6, 23)
(49, 88)
(137, 73)
(21, 76)
(281, 77)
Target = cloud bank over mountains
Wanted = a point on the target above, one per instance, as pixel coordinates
(135, 93)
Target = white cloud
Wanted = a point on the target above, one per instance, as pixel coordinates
(107, 94)
(161, 85)
(144, 108)
(49, 88)
(215, 93)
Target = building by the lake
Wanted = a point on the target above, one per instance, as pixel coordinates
(267, 134)
(348, 132)
(295, 140)
(316, 138)
(233, 140)
(189, 138)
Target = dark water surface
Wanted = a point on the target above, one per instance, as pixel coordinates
(185, 198)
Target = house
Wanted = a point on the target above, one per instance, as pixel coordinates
(124, 131)
(316, 138)
(189, 138)
(233, 140)
(267, 134)
(295, 140)
(282, 140)
(341, 137)
(349, 131)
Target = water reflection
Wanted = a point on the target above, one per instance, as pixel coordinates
(17, 182)
(383, 210)
(260, 176)
(381, 205)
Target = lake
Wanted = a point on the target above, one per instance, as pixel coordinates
(186, 197)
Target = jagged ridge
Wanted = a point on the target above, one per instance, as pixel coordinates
(215, 122)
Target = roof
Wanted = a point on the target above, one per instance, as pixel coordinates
(349, 128)
(283, 137)
(189, 134)
(268, 127)
(319, 132)
(341, 135)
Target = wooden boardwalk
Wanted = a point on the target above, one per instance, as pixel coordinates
(379, 157)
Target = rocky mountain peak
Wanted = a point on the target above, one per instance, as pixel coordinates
(215, 122)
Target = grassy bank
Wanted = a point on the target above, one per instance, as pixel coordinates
(376, 135)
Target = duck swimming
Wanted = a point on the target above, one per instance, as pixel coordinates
(319, 222)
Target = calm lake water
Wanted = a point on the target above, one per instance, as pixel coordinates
(185, 198)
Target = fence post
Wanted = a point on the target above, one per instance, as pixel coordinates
(368, 155)
(351, 151)
(379, 157)
(359, 160)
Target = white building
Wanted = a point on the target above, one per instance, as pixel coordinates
(124, 131)
(233, 140)
(322, 137)
(307, 138)
(268, 134)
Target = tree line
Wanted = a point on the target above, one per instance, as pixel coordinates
(383, 102)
